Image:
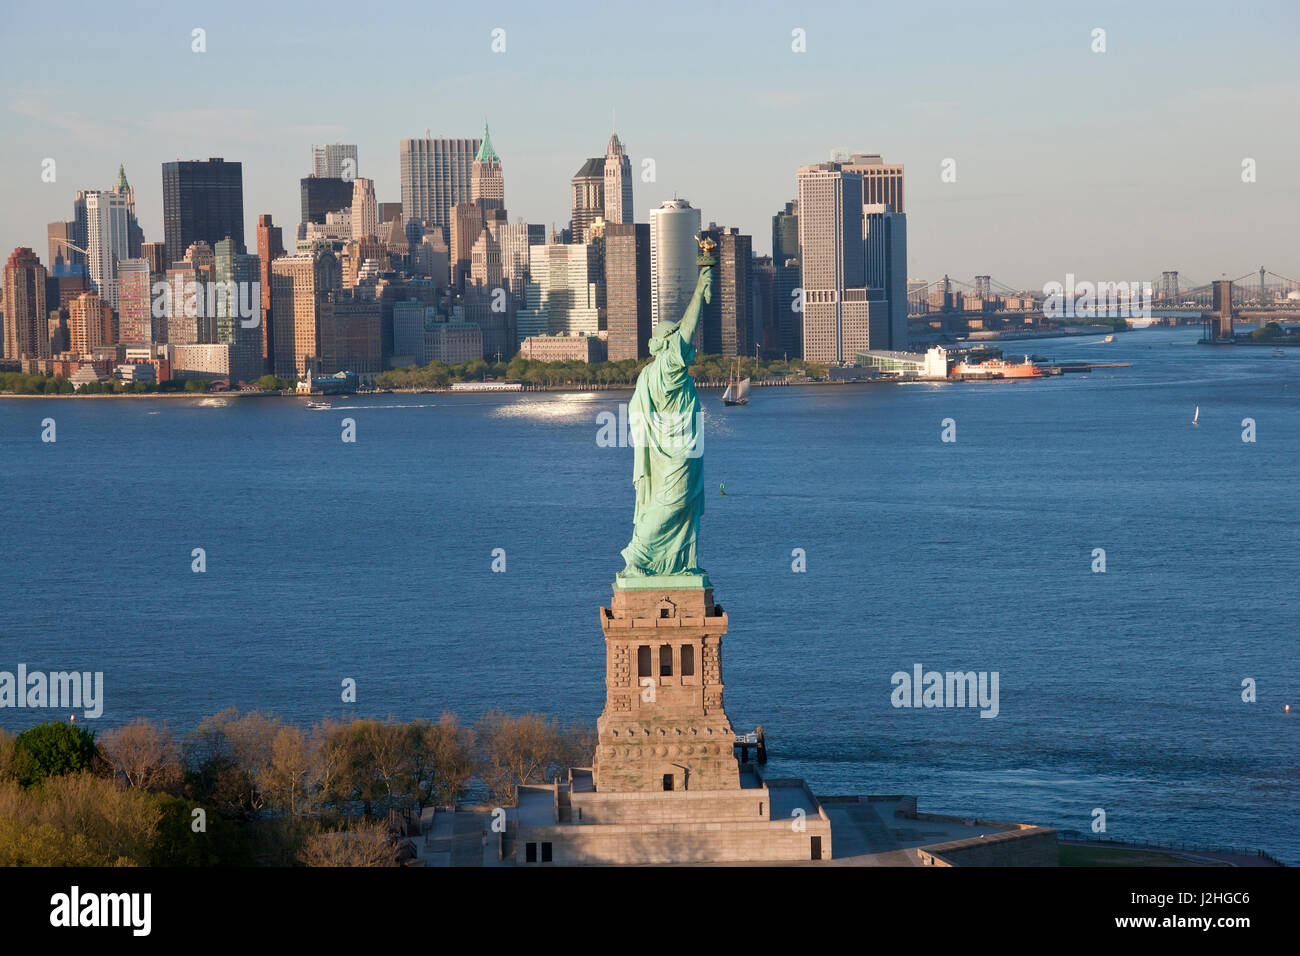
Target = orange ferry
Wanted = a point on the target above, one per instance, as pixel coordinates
(998, 368)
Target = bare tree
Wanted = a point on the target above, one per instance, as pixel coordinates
(145, 753)
(443, 760)
(363, 844)
(515, 750)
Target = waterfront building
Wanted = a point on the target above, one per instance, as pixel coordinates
(832, 261)
(26, 319)
(299, 286)
(570, 291)
(238, 313)
(90, 322)
(564, 348)
(885, 240)
(453, 343)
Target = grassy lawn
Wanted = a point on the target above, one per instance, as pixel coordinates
(1111, 856)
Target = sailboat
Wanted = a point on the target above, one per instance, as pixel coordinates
(737, 392)
(1196, 414)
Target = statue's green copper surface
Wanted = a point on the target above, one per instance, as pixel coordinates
(668, 468)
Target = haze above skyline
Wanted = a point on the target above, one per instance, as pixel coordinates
(1112, 165)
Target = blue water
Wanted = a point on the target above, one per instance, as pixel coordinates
(372, 560)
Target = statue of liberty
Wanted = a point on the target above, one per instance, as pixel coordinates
(668, 467)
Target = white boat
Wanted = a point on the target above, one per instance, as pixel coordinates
(1278, 353)
(1196, 414)
(737, 392)
(317, 405)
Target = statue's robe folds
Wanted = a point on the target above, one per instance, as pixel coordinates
(668, 469)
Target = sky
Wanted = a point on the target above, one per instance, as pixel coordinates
(1113, 165)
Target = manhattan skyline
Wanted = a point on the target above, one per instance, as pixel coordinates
(1113, 165)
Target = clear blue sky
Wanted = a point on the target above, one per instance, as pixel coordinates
(1110, 165)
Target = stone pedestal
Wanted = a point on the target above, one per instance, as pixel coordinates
(663, 727)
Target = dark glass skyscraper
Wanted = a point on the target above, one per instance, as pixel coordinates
(202, 200)
(321, 195)
(627, 289)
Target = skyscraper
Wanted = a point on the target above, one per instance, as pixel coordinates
(299, 288)
(487, 181)
(437, 174)
(466, 224)
(882, 183)
(135, 315)
(107, 240)
(726, 320)
(627, 289)
(365, 210)
(270, 246)
(86, 323)
(673, 251)
(335, 161)
(134, 234)
(202, 200)
(587, 198)
(238, 310)
(832, 260)
(886, 250)
(319, 197)
(565, 290)
(26, 319)
(785, 281)
(618, 183)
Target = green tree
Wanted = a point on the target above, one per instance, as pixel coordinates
(53, 749)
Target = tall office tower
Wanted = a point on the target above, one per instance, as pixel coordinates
(832, 260)
(726, 319)
(785, 281)
(270, 246)
(134, 303)
(882, 183)
(762, 316)
(570, 293)
(26, 317)
(183, 322)
(587, 198)
(618, 183)
(320, 197)
(62, 256)
(673, 270)
(886, 249)
(299, 286)
(334, 161)
(365, 210)
(154, 253)
(62, 288)
(437, 175)
(466, 224)
(202, 200)
(238, 313)
(487, 182)
(80, 231)
(627, 289)
(106, 226)
(134, 234)
(86, 323)
(785, 233)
